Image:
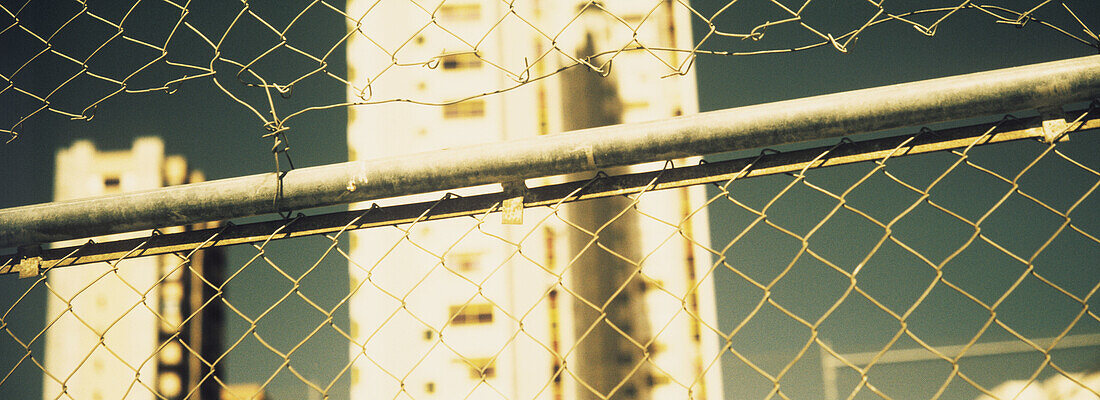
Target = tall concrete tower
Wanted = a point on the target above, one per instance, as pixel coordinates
(541, 310)
(133, 329)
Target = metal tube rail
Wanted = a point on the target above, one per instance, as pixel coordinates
(833, 115)
(600, 186)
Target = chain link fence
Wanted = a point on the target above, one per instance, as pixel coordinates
(857, 270)
(69, 59)
(954, 262)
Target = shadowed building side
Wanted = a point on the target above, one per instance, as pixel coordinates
(613, 319)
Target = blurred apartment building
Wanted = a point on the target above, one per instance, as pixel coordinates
(105, 342)
(473, 308)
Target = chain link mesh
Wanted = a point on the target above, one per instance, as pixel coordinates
(71, 58)
(967, 273)
(891, 278)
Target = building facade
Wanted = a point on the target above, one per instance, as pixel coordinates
(588, 300)
(134, 329)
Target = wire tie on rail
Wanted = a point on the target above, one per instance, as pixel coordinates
(511, 212)
(31, 261)
(1054, 124)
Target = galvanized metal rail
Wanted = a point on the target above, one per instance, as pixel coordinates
(598, 187)
(911, 104)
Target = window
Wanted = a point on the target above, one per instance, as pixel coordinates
(460, 61)
(482, 368)
(112, 184)
(471, 314)
(629, 391)
(636, 105)
(656, 379)
(171, 353)
(169, 384)
(171, 318)
(171, 292)
(647, 283)
(464, 262)
(634, 20)
(656, 348)
(466, 109)
(460, 12)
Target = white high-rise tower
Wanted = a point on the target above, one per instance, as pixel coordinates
(132, 329)
(472, 307)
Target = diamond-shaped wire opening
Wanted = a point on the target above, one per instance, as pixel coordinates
(955, 192)
(1058, 314)
(792, 383)
(80, 94)
(43, 18)
(801, 208)
(740, 19)
(1022, 227)
(883, 197)
(371, 26)
(769, 342)
(931, 233)
(316, 363)
(877, 329)
(265, 285)
(152, 22)
(983, 271)
(808, 275)
(248, 355)
(1067, 264)
(1045, 182)
(1004, 161)
(920, 378)
(81, 36)
(839, 18)
(992, 370)
(846, 240)
(39, 58)
(761, 255)
(946, 317)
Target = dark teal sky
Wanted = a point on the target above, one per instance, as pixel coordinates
(224, 140)
(888, 54)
